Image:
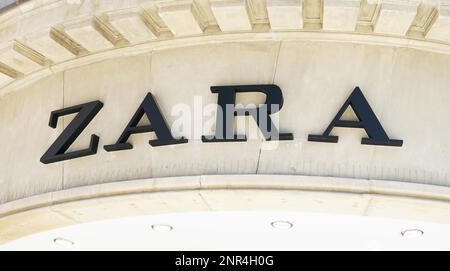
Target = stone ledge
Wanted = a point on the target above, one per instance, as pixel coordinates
(7, 84)
(75, 29)
(224, 193)
(230, 182)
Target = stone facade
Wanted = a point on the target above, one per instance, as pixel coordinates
(57, 54)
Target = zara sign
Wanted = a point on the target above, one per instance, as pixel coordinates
(85, 113)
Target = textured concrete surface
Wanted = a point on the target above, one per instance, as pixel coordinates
(406, 88)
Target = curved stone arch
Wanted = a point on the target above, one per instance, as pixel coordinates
(76, 82)
(398, 200)
(76, 32)
(148, 47)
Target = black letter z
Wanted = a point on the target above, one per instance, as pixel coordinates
(87, 112)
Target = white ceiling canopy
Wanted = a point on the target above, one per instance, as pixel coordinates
(242, 231)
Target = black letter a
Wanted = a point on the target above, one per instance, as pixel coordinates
(158, 125)
(367, 120)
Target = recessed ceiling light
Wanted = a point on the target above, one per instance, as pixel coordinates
(63, 242)
(280, 224)
(162, 227)
(412, 233)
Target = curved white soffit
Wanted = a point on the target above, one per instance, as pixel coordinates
(76, 33)
(386, 199)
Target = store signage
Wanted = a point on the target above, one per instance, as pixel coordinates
(85, 113)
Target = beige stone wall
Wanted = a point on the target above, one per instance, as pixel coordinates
(62, 53)
(406, 88)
